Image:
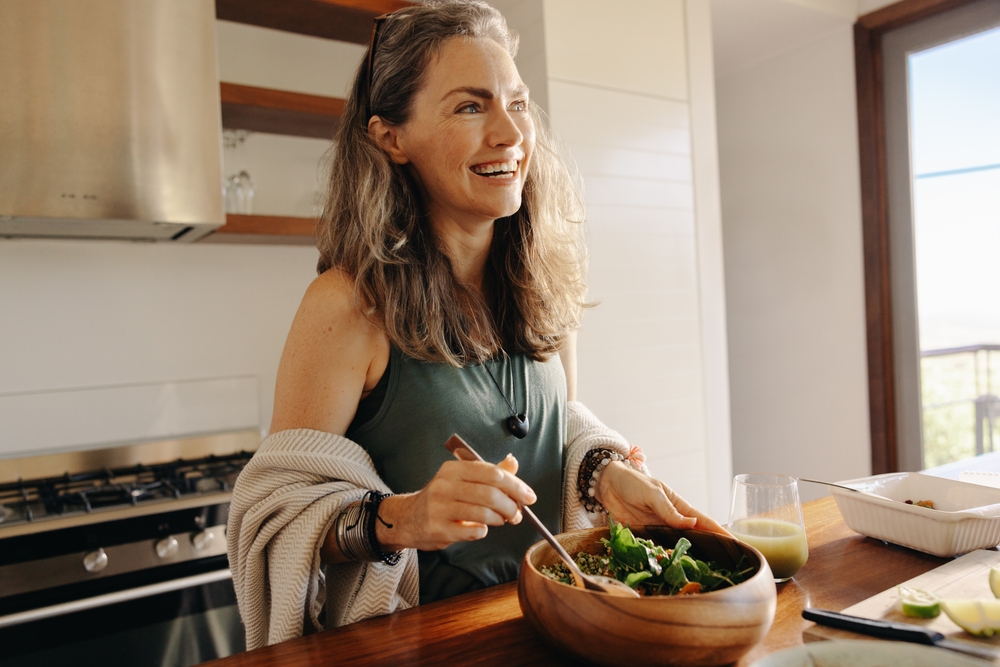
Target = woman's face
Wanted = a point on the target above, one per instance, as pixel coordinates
(469, 136)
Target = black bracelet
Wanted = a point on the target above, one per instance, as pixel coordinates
(371, 503)
(591, 466)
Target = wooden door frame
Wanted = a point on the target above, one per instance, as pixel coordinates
(868, 32)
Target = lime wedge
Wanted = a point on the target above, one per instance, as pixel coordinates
(995, 581)
(918, 603)
(977, 617)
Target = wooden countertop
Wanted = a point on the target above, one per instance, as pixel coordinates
(487, 628)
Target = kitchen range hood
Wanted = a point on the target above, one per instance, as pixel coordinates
(110, 123)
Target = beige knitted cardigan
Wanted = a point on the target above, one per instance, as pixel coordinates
(284, 503)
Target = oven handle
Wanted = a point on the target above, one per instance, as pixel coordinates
(114, 598)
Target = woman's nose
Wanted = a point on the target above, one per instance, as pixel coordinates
(504, 131)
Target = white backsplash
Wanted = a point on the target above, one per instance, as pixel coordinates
(72, 419)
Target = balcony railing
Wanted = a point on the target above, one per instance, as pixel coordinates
(958, 383)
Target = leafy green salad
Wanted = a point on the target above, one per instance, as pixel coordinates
(649, 568)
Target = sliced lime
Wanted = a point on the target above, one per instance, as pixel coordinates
(995, 581)
(977, 617)
(918, 603)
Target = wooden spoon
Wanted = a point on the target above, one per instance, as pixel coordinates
(464, 452)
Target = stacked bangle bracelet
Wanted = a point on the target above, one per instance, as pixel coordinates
(355, 531)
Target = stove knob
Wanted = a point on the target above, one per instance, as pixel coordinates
(167, 547)
(203, 540)
(95, 561)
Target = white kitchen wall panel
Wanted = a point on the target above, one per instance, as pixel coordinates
(711, 263)
(640, 220)
(596, 159)
(656, 417)
(72, 419)
(617, 119)
(638, 46)
(657, 246)
(614, 277)
(108, 313)
(656, 363)
(632, 191)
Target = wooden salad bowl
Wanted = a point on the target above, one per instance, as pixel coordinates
(708, 629)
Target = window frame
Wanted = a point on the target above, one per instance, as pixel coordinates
(889, 392)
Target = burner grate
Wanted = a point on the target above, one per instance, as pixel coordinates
(30, 500)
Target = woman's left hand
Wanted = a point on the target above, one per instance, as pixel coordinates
(637, 499)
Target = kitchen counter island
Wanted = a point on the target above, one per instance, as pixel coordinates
(487, 628)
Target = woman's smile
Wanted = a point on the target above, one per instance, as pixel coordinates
(497, 170)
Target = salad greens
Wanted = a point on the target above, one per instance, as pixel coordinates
(650, 568)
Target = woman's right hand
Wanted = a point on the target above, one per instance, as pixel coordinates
(459, 504)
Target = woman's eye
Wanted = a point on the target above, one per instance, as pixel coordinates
(520, 105)
(469, 108)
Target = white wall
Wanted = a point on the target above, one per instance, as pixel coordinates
(793, 262)
(621, 94)
(85, 314)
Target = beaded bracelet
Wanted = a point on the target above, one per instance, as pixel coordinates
(355, 531)
(591, 467)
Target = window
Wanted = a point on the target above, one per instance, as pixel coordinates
(938, 350)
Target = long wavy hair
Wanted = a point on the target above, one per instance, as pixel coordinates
(374, 224)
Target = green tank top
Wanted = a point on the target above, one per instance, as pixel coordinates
(424, 404)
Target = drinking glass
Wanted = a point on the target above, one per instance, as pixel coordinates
(766, 514)
(239, 189)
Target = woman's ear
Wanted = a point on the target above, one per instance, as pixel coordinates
(387, 138)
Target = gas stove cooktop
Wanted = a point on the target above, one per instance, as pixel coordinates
(120, 482)
(82, 493)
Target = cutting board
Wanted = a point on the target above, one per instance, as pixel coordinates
(966, 577)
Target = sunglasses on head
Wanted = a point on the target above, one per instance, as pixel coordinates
(372, 45)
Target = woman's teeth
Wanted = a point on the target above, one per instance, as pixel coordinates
(496, 170)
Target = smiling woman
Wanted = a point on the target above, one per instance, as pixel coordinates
(451, 274)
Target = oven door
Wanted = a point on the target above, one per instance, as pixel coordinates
(174, 623)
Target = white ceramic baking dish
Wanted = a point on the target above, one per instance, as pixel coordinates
(966, 518)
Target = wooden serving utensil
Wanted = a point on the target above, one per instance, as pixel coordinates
(464, 452)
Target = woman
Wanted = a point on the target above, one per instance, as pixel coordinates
(451, 274)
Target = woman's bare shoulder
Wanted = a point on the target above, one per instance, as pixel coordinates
(329, 304)
(331, 290)
(328, 358)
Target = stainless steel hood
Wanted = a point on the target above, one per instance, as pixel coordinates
(109, 119)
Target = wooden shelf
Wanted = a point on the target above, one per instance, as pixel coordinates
(268, 229)
(284, 112)
(279, 111)
(343, 20)
(276, 112)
